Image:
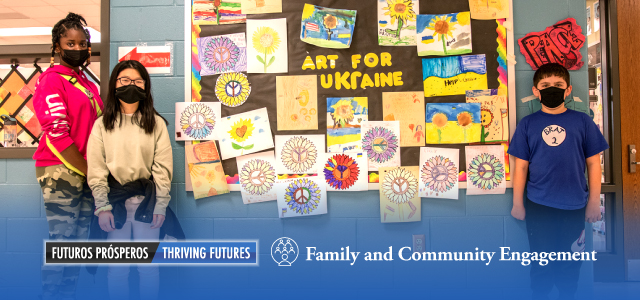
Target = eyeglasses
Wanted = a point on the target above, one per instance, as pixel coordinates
(128, 81)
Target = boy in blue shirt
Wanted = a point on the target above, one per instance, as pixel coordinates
(553, 146)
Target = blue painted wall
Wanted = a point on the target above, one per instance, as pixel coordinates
(353, 219)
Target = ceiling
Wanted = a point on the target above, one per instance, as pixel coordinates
(43, 13)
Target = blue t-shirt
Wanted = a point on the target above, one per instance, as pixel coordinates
(556, 147)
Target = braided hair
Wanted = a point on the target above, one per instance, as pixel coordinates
(71, 21)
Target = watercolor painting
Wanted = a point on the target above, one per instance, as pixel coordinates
(197, 121)
(222, 54)
(489, 9)
(344, 123)
(327, 27)
(381, 142)
(299, 154)
(267, 49)
(297, 102)
(439, 169)
(494, 114)
(217, 12)
(261, 6)
(205, 170)
(454, 75)
(453, 123)
(399, 198)
(232, 89)
(485, 170)
(301, 197)
(447, 34)
(397, 22)
(345, 172)
(245, 133)
(408, 108)
(257, 175)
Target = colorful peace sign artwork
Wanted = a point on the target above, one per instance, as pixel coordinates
(485, 170)
(222, 54)
(197, 121)
(301, 196)
(399, 199)
(299, 154)
(439, 173)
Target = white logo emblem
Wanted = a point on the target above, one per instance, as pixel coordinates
(284, 251)
(554, 135)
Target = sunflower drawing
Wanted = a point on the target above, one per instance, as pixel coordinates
(440, 121)
(198, 121)
(485, 171)
(442, 27)
(401, 10)
(439, 174)
(233, 89)
(257, 177)
(486, 117)
(303, 196)
(380, 143)
(299, 154)
(221, 54)
(399, 185)
(341, 171)
(465, 120)
(240, 132)
(342, 113)
(266, 40)
(330, 22)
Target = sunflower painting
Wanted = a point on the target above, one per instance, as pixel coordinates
(257, 176)
(344, 120)
(452, 123)
(494, 114)
(439, 169)
(485, 169)
(448, 34)
(397, 22)
(245, 133)
(267, 52)
(327, 27)
(301, 197)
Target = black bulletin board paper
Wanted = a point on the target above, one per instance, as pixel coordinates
(365, 40)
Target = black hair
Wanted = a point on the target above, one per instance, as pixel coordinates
(145, 115)
(71, 21)
(551, 69)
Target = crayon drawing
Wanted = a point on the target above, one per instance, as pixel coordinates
(267, 49)
(299, 154)
(448, 34)
(257, 177)
(454, 75)
(485, 170)
(408, 108)
(222, 53)
(439, 169)
(489, 9)
(327, 27)
(205, 170)
(399, 198)
(261, 6)
(381, 142)
(217, 12)
(344, 121)
(494, 115)
(397, 22)
(345, 172)
(453, 123)
(297, 102)
(233, 89)
(301, 197)
(245, 133)
(197, 121)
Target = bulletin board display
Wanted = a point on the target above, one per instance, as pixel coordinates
(364, 69)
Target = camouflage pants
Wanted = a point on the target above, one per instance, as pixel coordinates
(69, 206)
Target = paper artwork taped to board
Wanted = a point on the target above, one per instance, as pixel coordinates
(399, 198)
(559, 43)
(489, 9)
(233, 89)
(245, 133)
(299, 197)
(261, 6)
(327, 27)
(408, 108)
(345, 172)
(257, 175)
(454, 75)
(494, 115)
(344, 123)
(217, 12)
(381, 142)
(197, 121)
(453, 123)
(447, 34)
(439, 169)
(205, 169)
(397, 22)
(222, 54)
(267, 49)
(299, 154)
(297, 102)
(485, 170)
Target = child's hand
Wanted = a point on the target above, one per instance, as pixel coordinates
(105, 219)
(518, 212)
(593, 211)
(157, 222)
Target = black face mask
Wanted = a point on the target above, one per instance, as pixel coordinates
(552, 97)
(130, 94)
(74, 58)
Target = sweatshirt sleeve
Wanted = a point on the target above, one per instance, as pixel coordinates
(162, 168)
(97, 168)
(50, 104)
